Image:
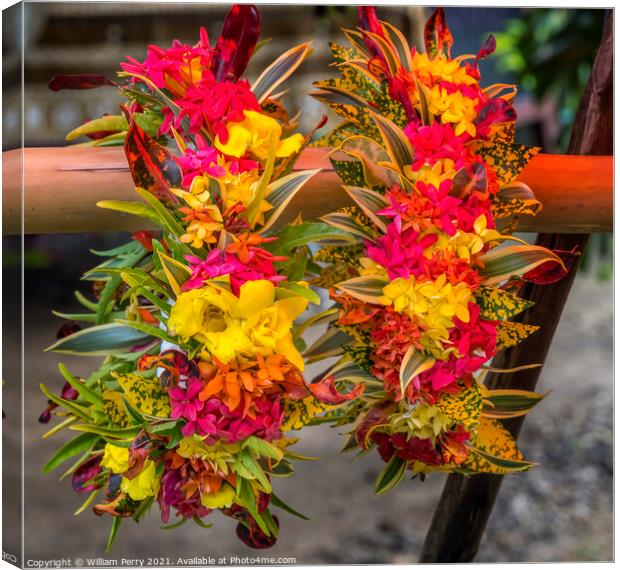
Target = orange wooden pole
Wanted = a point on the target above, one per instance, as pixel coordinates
(62, 185)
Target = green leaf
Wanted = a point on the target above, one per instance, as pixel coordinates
(77, 409)
(497, 304)
(292, 236)
(263, 448)
(169, 222)
(201, 524)
(79, 444)
(133, 208)
(101, 340)
(107, 123)
(391, 475)
(116, 523)
(177, 524)
(279, 71)
(245, 493)
(504, 262)
(150, 330)
(277, 502)
(503, 404)
(370, 202)
(367, 288)
(414, 362)
(282, 191)
(345, 222)
(328, 344)
(395, 142)
(300, 291)
(510, 334)
(83, 390)
(176, 272)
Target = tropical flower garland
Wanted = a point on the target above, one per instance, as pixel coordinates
(202, 375)
(424, 299)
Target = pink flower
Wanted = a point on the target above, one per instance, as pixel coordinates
(214, 105)
(184, 402)
(260, 265)
(200, 162)
(175, 68)
(400, 253)
(231, 426)
(435, 142)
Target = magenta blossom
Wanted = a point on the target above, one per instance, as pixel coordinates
(259, 266)
(400, 252)
(184, 402)
(435, 142)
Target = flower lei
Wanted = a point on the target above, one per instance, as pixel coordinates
(429, 159)
(202, 375)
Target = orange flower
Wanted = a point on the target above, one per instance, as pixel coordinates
(239, 382)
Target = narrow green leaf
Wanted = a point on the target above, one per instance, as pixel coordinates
(391, 475)
(80, 443)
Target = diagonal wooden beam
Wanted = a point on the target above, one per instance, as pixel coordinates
(62, 186)
(466, 503)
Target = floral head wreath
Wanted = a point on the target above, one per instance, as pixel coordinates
(202, 375)
(425, 297)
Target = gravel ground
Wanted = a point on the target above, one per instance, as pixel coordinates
(560, 511)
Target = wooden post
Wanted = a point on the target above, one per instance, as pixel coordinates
(466, 503)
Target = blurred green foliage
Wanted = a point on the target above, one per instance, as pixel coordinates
(550, 52)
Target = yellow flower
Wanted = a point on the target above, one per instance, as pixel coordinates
(115, 458)
(255, 134)
(468, 244)
(219, 455)
(143, 485)
(227, 326)
(435, 175)
(433, 304)
(223, 498)
(441, 69)
(453, 108)
(423, 421)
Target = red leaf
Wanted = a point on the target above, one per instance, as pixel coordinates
(79, 81)
(237, 42)
(152, 166)
(470, 180)
(550, 271)
(437, 36)
(325, 390)
(84, 473)
(144, 238)
(367, 20)
(487, 48)
(492, 112)
(375, 416)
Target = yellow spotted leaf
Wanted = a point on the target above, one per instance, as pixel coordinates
(510, 334)
(145, 394)
(297, 413)
(497, 304)
(464, 408)
(507, 159)
(494, 450)
(115, 409)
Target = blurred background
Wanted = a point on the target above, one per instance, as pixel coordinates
(560, 511)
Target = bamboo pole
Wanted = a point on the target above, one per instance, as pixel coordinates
(62, 186)
(466, 503)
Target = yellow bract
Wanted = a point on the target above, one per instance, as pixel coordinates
(254, 134)
(115, 458)
(433, 304)
(423, 421)
(441, 68)
(143, 485)
(453, 108)
(227, 326)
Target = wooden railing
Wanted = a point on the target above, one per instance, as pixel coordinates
(52, 190)
(62, 185)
